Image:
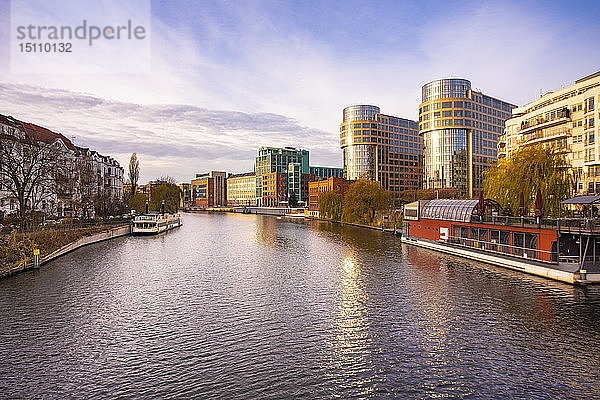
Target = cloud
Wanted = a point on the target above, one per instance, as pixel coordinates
(177, 140)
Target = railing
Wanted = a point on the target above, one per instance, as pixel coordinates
(523, 222)
(504, 249)
(61, 227)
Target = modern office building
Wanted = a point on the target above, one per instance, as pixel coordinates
(209, 190)
(316, 188)
(241, 189)
(460, 128)
(185, 192)
(289, 161)
(381, 148)
(274, 189)
(326, 172)
(566, 121)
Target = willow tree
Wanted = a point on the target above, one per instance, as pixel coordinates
(364, 201)
(526, 170)
(330, 205)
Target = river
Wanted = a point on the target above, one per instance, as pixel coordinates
(255, 307)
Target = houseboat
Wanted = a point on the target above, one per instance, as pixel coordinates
(153, 224)
(563, 249)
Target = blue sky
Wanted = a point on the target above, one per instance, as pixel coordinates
(229, 76)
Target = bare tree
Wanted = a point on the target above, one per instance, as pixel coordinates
(134, 172)
(29, 168)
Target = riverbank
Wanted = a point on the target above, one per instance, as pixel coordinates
(16, 250)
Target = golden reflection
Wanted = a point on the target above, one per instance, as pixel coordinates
(352, 342)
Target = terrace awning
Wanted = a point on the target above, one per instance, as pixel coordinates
(581, 200)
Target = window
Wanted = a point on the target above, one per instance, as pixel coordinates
(458, 113)
(437, 106)
(447, 113)
(458, 104)
(590, 105)
(447, 104)
(591, 123)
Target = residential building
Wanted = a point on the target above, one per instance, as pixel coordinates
(84, 184)
(382, 148)
(566, 121)
(316, 188)
(326, 172)
(209, 189)
(241, 189)
(460, 129)
(278, 160)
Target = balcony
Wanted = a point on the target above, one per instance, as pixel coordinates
(562, 116)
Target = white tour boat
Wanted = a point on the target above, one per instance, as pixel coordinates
(152, 224)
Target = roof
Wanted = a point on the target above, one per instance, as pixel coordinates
(585, 78)
(581, 200)
(45, 135)
(453, 210)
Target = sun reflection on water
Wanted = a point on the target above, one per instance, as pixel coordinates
(352, 342)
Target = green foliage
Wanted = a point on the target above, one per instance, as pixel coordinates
(168, 192)
(330, 205)
(364, 200)
(527, 169)
(408, 196)
(137, 202)
(14, 248)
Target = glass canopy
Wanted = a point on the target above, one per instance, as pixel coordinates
(454, 210)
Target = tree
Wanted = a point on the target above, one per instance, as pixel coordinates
(364, 200)
(167, 192)
(330, 205)
(137, 202)
(134, 173)
(30, 169)
(527, 169)
(293, 200)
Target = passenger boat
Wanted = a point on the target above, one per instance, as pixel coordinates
(152, 224)
(563, 249)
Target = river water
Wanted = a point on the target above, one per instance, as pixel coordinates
(254, 307)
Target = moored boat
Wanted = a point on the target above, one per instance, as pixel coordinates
(153, 224)
(562, 249)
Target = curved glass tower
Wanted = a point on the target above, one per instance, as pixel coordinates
(460, 129)
(360, 157)
(381, 148)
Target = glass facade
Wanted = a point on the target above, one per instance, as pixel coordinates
(445, 88)
(460, 129)
(381, 147)
(446, 159)
(360, 161)
(275, 159)
(360, 113)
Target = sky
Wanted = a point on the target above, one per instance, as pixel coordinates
(226, 77)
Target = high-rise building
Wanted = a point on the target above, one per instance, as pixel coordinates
(326, 172)
(566, 121)
(460, 129)
(381, 148)
(291, 162)
(209, 190)
(241, 189)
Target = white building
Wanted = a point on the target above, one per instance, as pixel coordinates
(84, 182)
